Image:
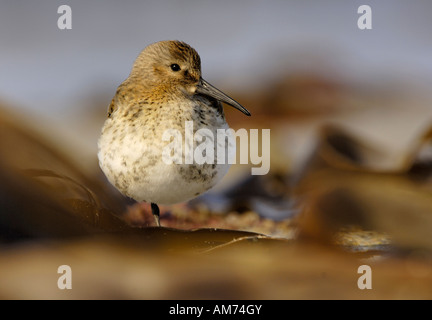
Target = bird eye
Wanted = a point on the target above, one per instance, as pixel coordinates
(175, 67)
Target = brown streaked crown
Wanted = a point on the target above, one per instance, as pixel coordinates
(152, 77)
(154, 63)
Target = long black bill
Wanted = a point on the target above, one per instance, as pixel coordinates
(207, 89)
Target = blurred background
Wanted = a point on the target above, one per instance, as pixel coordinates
(349, 112)
(67, 77)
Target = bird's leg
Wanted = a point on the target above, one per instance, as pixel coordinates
(155, 211)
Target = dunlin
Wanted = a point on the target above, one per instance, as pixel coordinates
(164, 91)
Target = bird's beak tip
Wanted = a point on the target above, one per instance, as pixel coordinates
(207, 89)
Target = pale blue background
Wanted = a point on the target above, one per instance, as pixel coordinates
(242, 43)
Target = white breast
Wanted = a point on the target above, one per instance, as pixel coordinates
(131, 158)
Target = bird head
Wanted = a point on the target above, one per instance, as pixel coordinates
(175, 66)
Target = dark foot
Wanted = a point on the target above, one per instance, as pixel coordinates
(155, 211)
